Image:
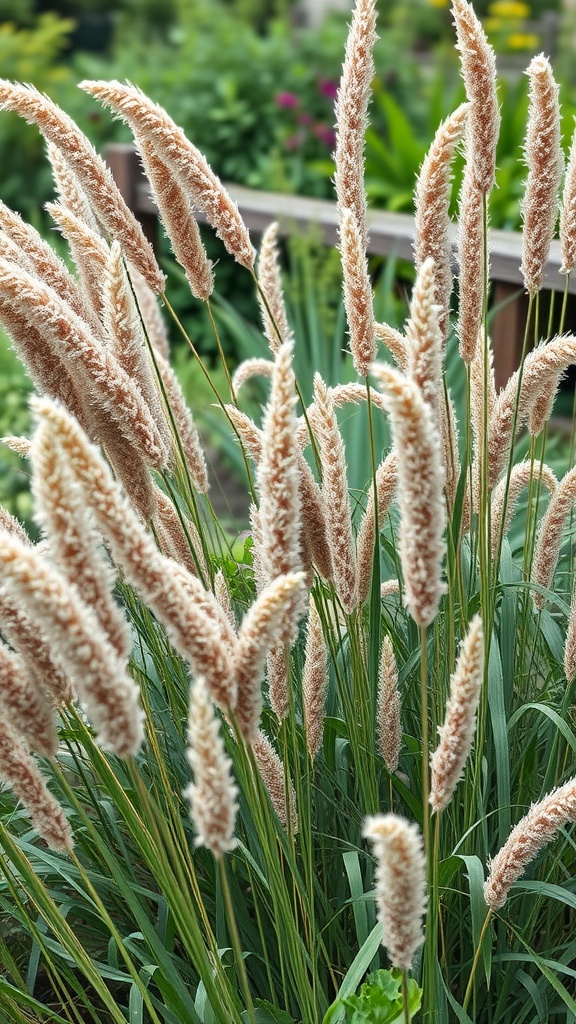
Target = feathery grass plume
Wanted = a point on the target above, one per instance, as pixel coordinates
(312, 504)
(549, 537)
(273, 310)
(49, 370)
(190, 614)
(335, 494)
(249, 434)
(277, 479)
(17, 444)
(73, 542)
(70, 336)
(185, 426)
(545, 162)
(388, 588)
(425, 339)
(479, 73)
(314, 520)
(70, 192)
(570, 644)
(450, 453)
(78, 644)
(88, 249)
(543, 404)
(252, 368)
(278, 675)
(205, 191)
(27, 638)
(539, 827)
(389, 726)
(19, 770)
(395, 342)
(176, 217)
(128, 467)
(150, 315)
(386, 476)
(432, 202)
(213, 794)
(420, 483)
(258, 567)
(471, 257)
(357, 293)
(273, 775)
(314, 680)
(183, 539)
(262, 628)
(125, 336)
(340, 395)
(457, 733)
(351, 114)
(222, 595)
(25, 705)
(555, 355)
(520, 477)
(92, 173)
(400, 884)
(11, 524)
(45, 262)
(568, 213)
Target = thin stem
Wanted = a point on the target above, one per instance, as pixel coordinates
(425, 740)
(475, 961)
(405, 997)
(235, 939)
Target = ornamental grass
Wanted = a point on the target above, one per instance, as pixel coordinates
(330, 779)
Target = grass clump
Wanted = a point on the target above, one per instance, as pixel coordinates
(201, 739)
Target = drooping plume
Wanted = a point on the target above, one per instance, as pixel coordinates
(204, 190)
(389, 708)
(92, 173)
(272, 305)
(539, 827)
(213, 793)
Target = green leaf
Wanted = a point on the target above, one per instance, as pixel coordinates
(354, 975)
(380, 1000)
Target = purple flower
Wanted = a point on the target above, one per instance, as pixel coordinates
(324, 134)
(328, 88)
(288, 100)
(293, 142)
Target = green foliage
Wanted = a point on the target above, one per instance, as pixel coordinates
(380, 1000)
(15, 388)
(30, 55)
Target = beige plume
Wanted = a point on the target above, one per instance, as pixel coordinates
(91, 171)
(457, 733)
(19, 770)
(272, 306)
(432, 202)
(389, 725)
(213, 793)
(539, 827)
(314, 680)
(479, 73)
(205, 191)
(400, 884)
(420, 493)
(545, 168)
(357, 293)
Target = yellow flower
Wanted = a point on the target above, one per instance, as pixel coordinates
(523, 41)
(509, 9)
(438, 3)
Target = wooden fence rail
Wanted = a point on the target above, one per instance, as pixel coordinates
(391, 234)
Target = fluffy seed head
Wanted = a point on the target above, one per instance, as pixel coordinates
(400, 884)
